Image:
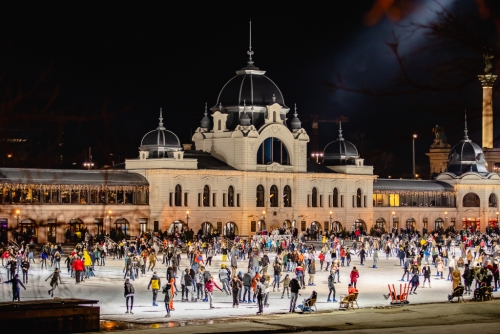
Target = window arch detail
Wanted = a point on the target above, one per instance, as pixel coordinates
(335, 198)
(358, 198)
(314, 197)
(260, 195)
(272, 150)
(206, 195)
(287, 197)
(178, 195)
(273, 196)
(230, 196)
(471, 200)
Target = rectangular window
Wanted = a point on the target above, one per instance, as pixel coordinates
(238, 200)
(341, 201)
(353, 201)
(308, 201)
(199, 199)
(364, 201)
(329, 201)
(224, 200)
(214, 197)
(327, 225)
(143, 225)
(170, 199)
(185, 199)
(321, 201)
(303, 225)
(219, 227)
(253, 226)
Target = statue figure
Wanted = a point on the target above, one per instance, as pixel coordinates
(440, 140)
(487, 61)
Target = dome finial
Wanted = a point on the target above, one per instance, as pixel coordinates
(206, 113)
(160, 125)
(295, 110)
(274, 98)
(466, 137)
(250, 52)
(340, 131)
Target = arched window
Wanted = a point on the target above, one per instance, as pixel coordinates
(207, 228)
(219, 125)
(273, 150)
(314, 202)
(493, 201)
(206, 195)
(273, 196)
(411, 224)
(335, 198)
(287, 197)
(260, 195)
(358, 198)
(471, 200)
(360, 224)
(230, 196)
(380, 224)
(438, 224)
(178, 195)
(230, 229)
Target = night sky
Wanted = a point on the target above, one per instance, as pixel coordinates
(95, 75)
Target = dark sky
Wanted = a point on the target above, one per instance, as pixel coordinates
(112, 66)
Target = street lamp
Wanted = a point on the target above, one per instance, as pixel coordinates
(394, 220)
(187, 219)
(413, 140)
(316, 155)
(89, 165)
(331, 221)
(109, 215)
(263, 220)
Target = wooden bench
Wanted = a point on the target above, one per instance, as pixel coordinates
(347, 302)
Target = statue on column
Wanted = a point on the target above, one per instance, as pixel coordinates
(487, 61)
(440, 141)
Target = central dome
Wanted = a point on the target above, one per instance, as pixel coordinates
(251, 87)
(160, 141)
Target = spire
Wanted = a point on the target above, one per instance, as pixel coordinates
(250, 52)
(274, 98)
(466, 137)
(244, 119)
(220, 107)
(340, 131)
(295, 123)
(160, 125)
(205, 121)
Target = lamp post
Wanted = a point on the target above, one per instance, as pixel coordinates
(413, 140)
(88, 165)
(109, 215)
(18, 213)
(394, 221)
(445, 218)
(331, 227)
(316, 155)
(187, 219)
(263, 220)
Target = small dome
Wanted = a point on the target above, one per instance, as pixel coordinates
(295, 123)
(340, 152)
(245, 120)
(160, 141)
(205, 121)
(161, 138)
(465, 157)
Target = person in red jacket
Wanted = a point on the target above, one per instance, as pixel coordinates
(78, 265)
(354, 276)
(209, 287)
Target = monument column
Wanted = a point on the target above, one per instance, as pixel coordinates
(487, 80)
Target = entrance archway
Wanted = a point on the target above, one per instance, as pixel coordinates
(336, 227)
(438, 224)
(230, 229)
(380, 225)
(207, 228)
(315, 226)
(77, 229)
(177, 227)
(360, 224)
(287, 224)
(411, 225)
(122, 225)
(261, 225)
(28, 229)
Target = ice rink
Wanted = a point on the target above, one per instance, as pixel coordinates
(107, 287)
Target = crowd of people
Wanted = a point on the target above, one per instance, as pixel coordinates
(283, 262)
